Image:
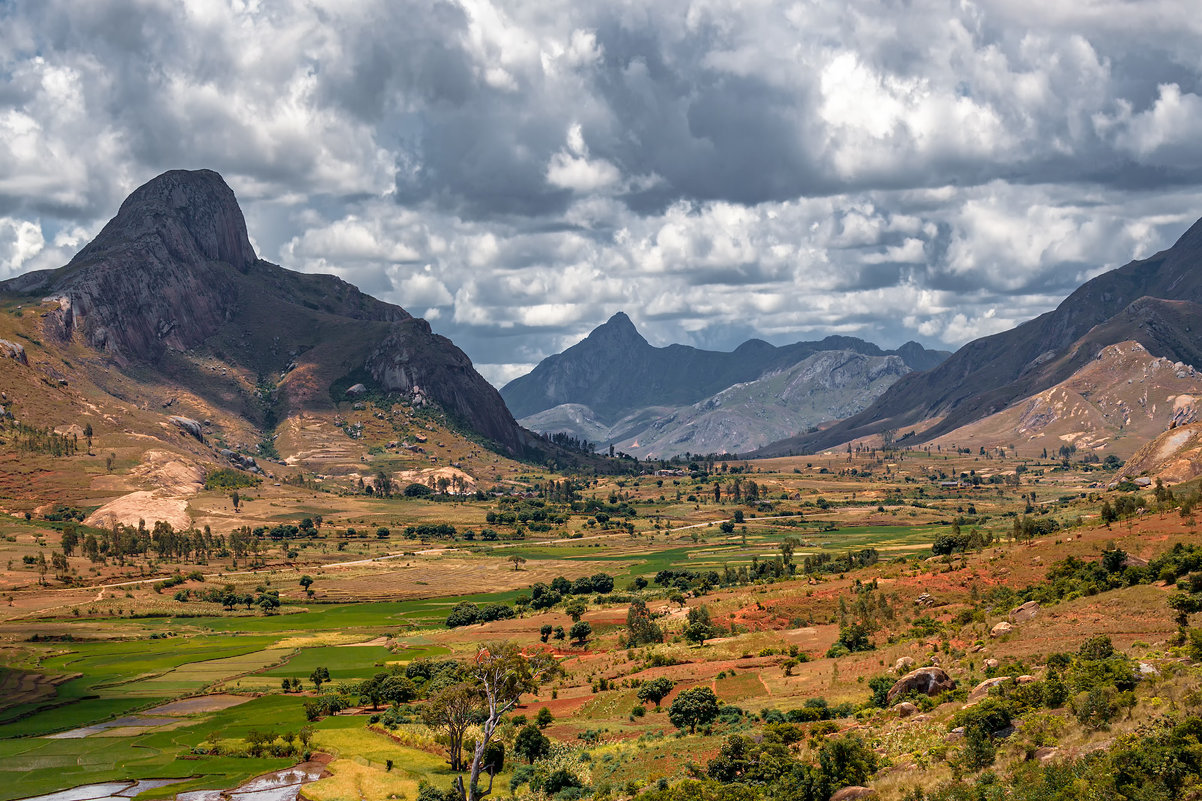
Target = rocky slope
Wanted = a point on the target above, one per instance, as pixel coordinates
(1114, 404)
(1173, 457)
(829, 385)
(171, 287)
(615, 372)
(1152, 301)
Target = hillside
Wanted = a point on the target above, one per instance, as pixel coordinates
(1173, 457)
(1114, 404)
(1152, 301)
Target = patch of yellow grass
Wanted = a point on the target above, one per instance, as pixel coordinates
(317, 640)
(354, 781)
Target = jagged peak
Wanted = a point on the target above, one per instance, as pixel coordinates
(193, 212)
(617, 327)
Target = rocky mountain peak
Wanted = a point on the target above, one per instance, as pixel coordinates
(618, 328)
(192, 213)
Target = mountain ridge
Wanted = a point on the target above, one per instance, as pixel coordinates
(1140, 301)
(614, 370)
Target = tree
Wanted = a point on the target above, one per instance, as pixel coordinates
(693, 707)
(699, 627)
(575, 610)
(502, 673)
(544, 718)
(531, 744)
(373, 689)
(319, 676)
(655, 690)
(306, 581)
(558, 633)
(87, 435)
(235, 499)
(1184, 604)
(59, 562)
(640, 630)
(453, 709)
(580, 632)
(544, 632)
(70, 539)
(518, 561)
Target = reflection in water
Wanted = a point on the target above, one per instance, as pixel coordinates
(282, 785)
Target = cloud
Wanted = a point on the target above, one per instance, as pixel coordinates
(518, 172)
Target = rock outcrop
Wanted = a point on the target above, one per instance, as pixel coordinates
(927, 680)
(14, 351)
(1021, 614)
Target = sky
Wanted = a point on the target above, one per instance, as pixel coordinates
(516, 172)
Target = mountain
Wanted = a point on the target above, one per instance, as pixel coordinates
(1117, 402)
(614, 388)
(172, 281)
(615, 372)
(1153, 301)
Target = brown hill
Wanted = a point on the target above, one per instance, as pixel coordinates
(1174, 456)
(1114, 404)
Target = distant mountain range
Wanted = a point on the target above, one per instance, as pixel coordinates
(1156, 302)
(615, 388)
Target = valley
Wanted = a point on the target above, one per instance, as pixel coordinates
(266, 538)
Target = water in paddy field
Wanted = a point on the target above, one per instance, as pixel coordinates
(281, 785)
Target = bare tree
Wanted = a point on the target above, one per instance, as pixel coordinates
(502, 673)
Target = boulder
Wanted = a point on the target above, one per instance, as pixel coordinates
(982, 689)
(1001, 629)
(13, 350)
(188, 426)
(357, 389)
(903, 664)
(1025, 679)
(927, 680)
(905, 709)
(853, 793)
(1045, 753)
(1148, 669)
(991, 663)
(1027, 611)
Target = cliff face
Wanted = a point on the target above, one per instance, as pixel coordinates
(174, 271)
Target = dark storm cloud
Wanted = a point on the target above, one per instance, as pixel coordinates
(719, 170)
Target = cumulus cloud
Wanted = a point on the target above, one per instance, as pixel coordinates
(518, 172)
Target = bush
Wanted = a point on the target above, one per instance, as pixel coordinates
(225, 479)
